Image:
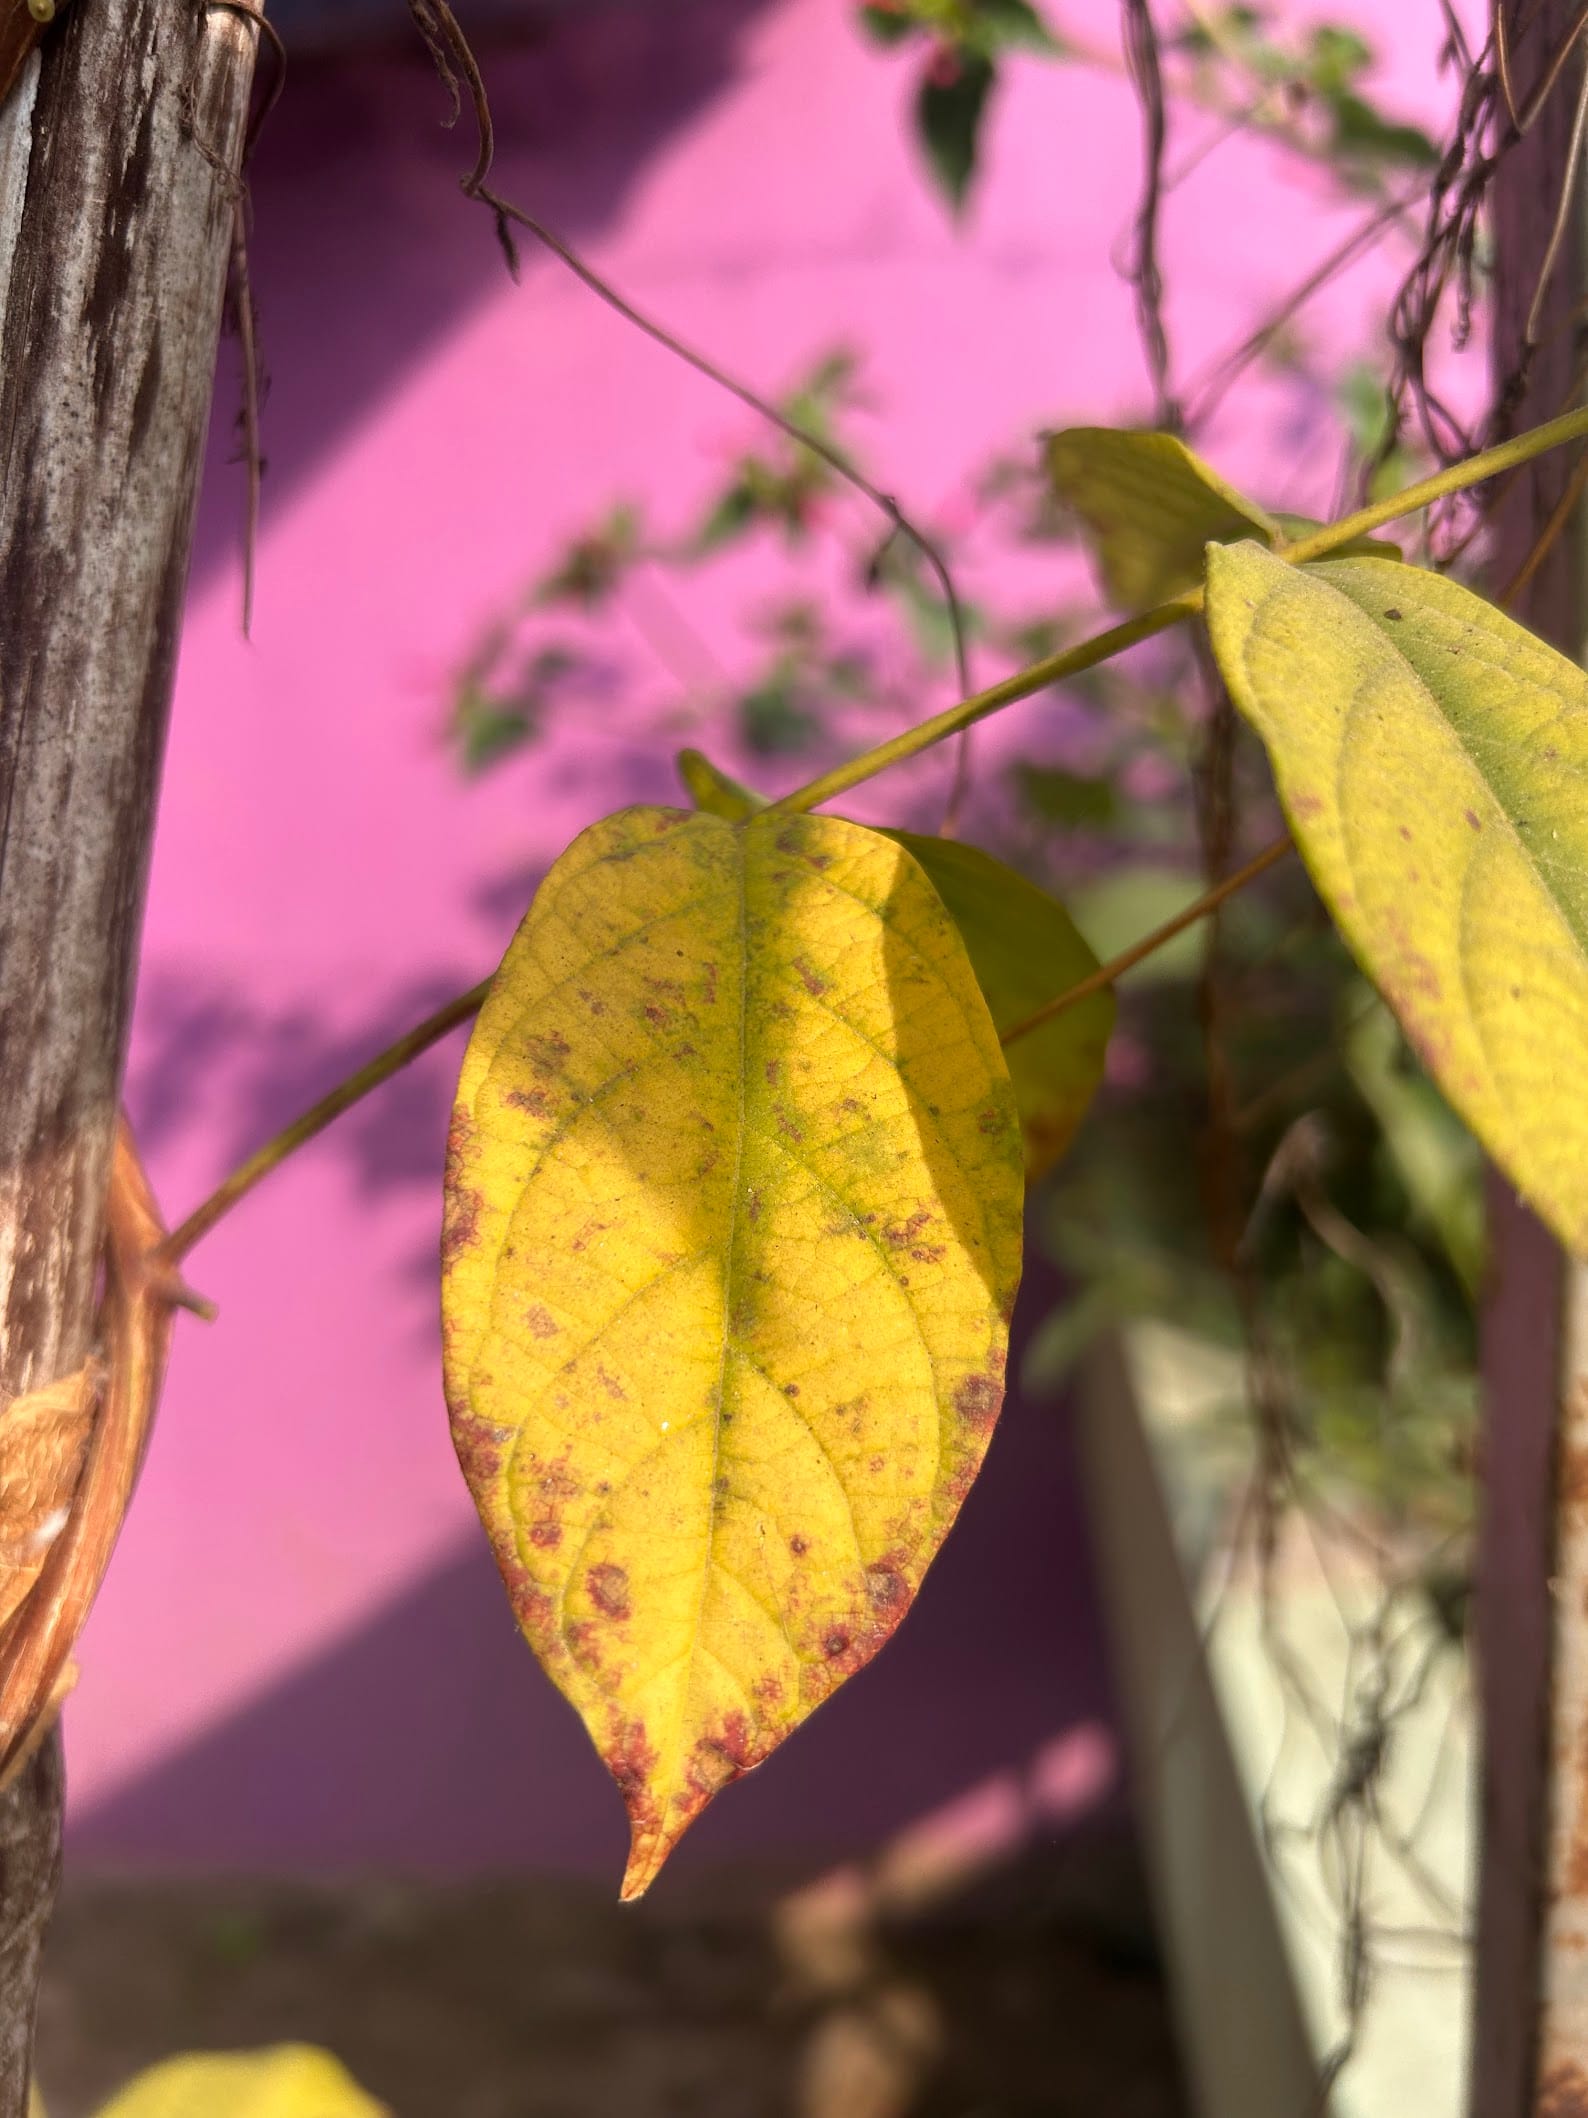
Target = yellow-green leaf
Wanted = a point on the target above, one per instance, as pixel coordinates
(1151, 508)
(733, 1233)
(1294, 527)
(289, 2081)
(1432, 758)
(1025, 949)
(711, 789)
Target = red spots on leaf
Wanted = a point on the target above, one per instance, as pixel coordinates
(905, 1235)
(886, 1585)
(791, 1389)
(480, 1448)
(836, 1643)
(1472, 818)
(708, 983)
(533, 1100)
(593, 1002)
(631, 1760)
(735, 1743)
(588, 1233)
(660, 1016)
(813, 981)
(547, 1053)
(786, 1123)
(609, 1590)
(541, 1321)
(611, 1385)
(978, 1398)
(547, 1535)
(799, 1545)
(1306, 805)
(772, 1072)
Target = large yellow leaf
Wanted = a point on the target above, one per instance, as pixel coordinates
(1024, 948)
(1432, 758)
(1150, 506)
(289, 2081)
(733, 1234)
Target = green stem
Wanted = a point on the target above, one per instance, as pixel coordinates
(314, 1120)
(1150, 944)
(1489, 463)
(1101, 648)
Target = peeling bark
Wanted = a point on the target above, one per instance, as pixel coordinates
(115, 220)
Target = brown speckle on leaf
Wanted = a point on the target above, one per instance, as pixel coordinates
(608, 1584)
(547, 1535)
(977, 1399)
(541, 1321)
(799, 1545)
(534, 1100)
(1472, 819)
(813, 981)
(836, 1643)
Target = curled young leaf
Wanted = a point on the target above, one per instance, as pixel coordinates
(1431, 756)
(733, 1233)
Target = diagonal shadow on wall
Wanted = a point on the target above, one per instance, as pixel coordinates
(428, 1741)
(363, 253)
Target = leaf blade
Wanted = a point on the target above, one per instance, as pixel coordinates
(1150, 507)
(741, 1229)
(286, 2081)
(1430, 755)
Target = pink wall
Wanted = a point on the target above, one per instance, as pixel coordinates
(302, 1654)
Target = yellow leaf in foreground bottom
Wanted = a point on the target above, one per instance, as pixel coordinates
(1432, 757)
(290, 2081)
(733, 1234)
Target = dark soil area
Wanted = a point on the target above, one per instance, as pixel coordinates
(1032, 1990)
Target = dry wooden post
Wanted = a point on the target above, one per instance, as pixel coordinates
(1531, 2032)
(115, 216)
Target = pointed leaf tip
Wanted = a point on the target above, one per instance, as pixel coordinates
(734, 1212)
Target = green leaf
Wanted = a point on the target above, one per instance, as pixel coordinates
(1295, 527)
(1025, 950)
(1067, 798)
(1432, 756)
(713, 791)
(889, 25)
(1150, 508)
(949, 108)
(1433, 1154)
(1014, 25)
(1119, 908)
(290, 2081)
(1360, 130)
(733, 1231)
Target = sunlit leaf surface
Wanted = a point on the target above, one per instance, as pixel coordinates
(1432, 758)
(733, 1234)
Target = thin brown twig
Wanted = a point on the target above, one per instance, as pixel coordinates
(319, 1115)
(1143, 59)
(453, 56)
(1106, 974)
